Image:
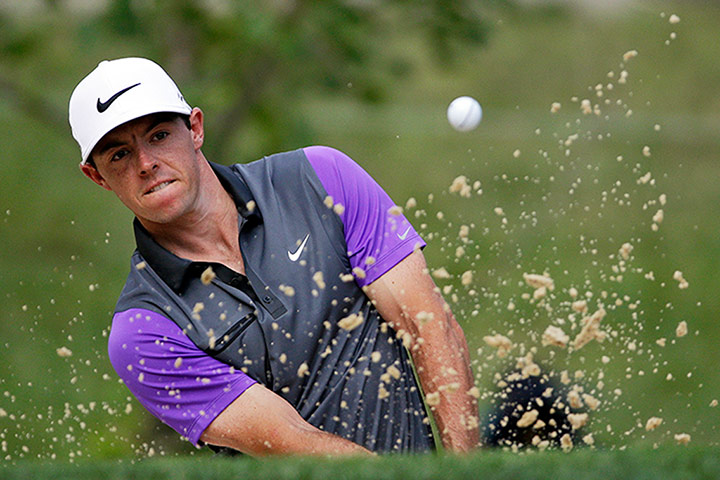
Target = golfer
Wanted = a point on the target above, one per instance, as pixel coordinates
(281, 306)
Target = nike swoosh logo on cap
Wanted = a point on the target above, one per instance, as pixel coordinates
(402, 237)
(293, 256)
(102, 106)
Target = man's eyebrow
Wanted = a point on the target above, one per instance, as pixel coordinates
(157, 121)
(109, 145)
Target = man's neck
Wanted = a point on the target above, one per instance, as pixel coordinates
(208, 233)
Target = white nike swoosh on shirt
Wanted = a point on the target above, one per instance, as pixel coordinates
(402, 237)
(293, 256)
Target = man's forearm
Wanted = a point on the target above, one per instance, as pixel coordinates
(407, 298)
(442, 361)
(306, 442)
(259, 422)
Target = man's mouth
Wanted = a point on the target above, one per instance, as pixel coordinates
(159, 186)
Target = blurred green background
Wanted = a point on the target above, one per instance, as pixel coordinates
(374, 79)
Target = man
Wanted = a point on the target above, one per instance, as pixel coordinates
(270, 307)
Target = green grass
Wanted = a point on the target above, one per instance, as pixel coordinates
(637, 464)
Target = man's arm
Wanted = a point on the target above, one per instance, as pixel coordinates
(260, 422)
(439, 349)
(151, 354)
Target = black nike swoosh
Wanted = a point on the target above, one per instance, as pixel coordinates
(102, 106)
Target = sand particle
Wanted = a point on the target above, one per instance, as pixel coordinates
(63, 352)
(395, 210)
(578, 420)
(537, 281)
(528, 418)
(393, 371)
(359, 272)
(554, 336)
(592, 402)
(441, 273)
(502, 343)
(207, 276)
(318, 279)
(424, 317)
(682, 283)
(566, 442)
(460, 185)
(586, 107)
(433, 399)
(351, 322)
(682, 329)
(591, 330)
(653, 423)
(580, 306)
(287, 290)
(382, 392)
(630, 54)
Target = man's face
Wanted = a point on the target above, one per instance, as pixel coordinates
(152, 164)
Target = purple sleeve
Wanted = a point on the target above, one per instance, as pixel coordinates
(377, 236)
(172, 378)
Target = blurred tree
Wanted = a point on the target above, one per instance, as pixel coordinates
(245, 61)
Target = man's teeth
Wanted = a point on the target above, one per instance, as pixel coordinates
(158, 187)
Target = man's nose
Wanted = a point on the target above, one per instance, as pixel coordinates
(146, 161)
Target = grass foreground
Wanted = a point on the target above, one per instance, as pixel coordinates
(696, 462)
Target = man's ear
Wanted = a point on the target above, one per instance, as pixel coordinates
(197, 130)
(92, 173)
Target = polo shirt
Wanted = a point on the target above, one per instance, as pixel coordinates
(188, 338)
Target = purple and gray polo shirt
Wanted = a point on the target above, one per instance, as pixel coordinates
(314, 229)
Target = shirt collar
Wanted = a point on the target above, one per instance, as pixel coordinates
(175, 270)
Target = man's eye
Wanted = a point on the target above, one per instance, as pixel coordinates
(160, 135)
(118, 155)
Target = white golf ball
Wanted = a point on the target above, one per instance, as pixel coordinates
(464, 113)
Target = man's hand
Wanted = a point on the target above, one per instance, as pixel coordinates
(407, 298)
(260, 422)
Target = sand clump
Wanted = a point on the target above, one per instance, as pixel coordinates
(500, 342)
(682, 329)
(653, 423)
(591, 330)
(555, 336)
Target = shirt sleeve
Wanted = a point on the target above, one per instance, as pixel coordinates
(377, 234)
(172, 378)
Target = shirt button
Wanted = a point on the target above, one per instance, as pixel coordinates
(267, 299)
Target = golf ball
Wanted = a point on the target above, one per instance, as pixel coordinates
(464, 113)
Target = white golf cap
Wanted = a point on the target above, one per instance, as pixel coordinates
(116, 92)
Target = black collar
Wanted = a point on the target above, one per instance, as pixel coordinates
(175, 270)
